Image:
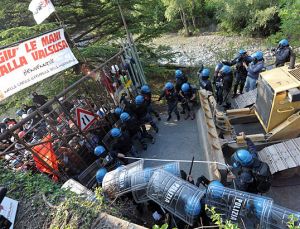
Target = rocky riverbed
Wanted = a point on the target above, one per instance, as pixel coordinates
(209, 48)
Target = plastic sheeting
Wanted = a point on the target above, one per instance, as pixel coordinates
(176, 195)
(118, 181)
(140, 180)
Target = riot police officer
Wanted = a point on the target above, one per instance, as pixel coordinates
(142, 114)
(253, 175)
(172, 100)
(100, 175)
(122, 145)
(224, 83)
(253, 70)
(282, 53)
(188, 94)
(146, 92)
(204, 80)
(241, 71)
(108, 160)
(132, 127)
(180, 80)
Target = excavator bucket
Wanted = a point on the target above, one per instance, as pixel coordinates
(210, 139)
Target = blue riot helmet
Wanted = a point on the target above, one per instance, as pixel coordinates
(218, 67)
(284, 42)
(20, 112)
(100, 175)
(118, 110)
(192, 206)
(185, 87)
(242, 52)
(242, 157)
(145, 89)
(257, 55)
(115, 133)
(256, 205)
(178, 74)
(139, 100)
(99, 151)
(216, 188)
(169, 86)
(124, 117)
(205, 73)
(225, 69)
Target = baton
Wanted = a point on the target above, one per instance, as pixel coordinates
(192, 163)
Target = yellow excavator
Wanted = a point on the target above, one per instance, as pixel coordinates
(272, 122)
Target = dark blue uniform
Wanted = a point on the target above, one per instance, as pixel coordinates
(241, 71)
(172, 100)
(282, 54)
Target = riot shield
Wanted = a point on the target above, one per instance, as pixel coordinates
(118, 181)
(176, 195)
(239, 207)
(280, 216)
(140, 180)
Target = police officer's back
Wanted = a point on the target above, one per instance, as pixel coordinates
(282, 53)
(180, 79)
(130, 124)
(204, 81)
(122, 142)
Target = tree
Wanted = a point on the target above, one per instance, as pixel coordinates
(175, 8)
(290, 17)
(253, 17)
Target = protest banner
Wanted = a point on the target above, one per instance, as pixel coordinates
(32, 61)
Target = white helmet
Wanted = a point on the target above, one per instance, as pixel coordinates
(114, 69)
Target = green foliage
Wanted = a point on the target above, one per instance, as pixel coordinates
(252, 17)
(16, 34)
(164, 226)
(290, 26)
(292, 220)
(217, 219)
(64, 209)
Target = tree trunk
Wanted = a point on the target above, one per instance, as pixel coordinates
(184, 22)
(194, 22)
(193, 14)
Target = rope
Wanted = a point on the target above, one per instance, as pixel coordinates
(184, 161)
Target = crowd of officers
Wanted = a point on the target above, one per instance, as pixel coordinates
(130, 132)
(248, 172)
(135, 115)
(244, 77)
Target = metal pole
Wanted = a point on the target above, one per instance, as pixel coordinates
(124, 21)
(132, 66)
(138, 58)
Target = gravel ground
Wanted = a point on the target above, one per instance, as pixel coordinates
(209, 48)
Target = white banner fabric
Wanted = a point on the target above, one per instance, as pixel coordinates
(32, 61)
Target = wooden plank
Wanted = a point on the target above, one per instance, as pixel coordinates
(294, 150)
(285, 155)
(273, 152)
(282, 156)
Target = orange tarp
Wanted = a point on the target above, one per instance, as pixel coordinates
(46, 153)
